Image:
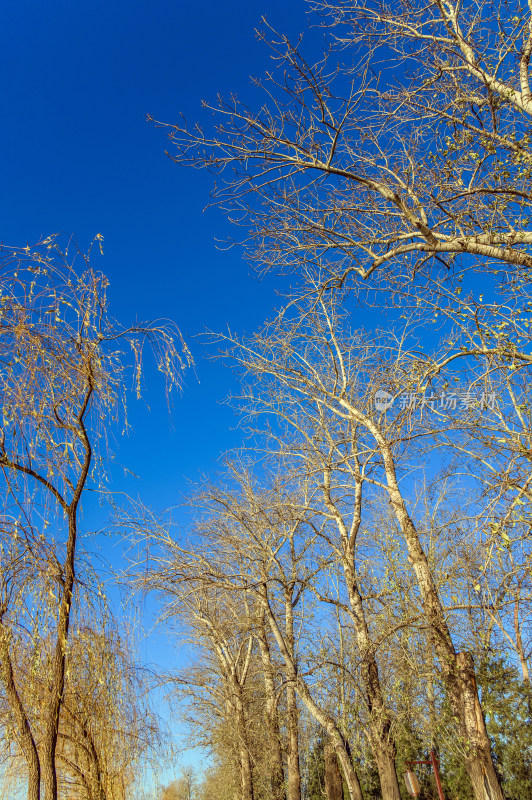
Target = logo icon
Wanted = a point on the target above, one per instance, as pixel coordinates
(383, 400)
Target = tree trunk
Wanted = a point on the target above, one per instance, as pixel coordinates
(431, 695)
(382, 742)
(51, 727)
(341, 748)
(292, 716)
(334, 789)
(51, 730)
(327, 723)
(98, 791)
(246, 777)
(381, 738)
(458, 669)
(292, 724)
(24, 734)
(519, 646)
(235, 756)
(272, 718)
(479, 762)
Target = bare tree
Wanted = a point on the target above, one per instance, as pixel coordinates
(62, 386)
(307, 361)
(333, 468)
(271, 691)
(271, 538)
(409, 143)
(253, 547)
(222, 628)
(184, 788)
(106, 725)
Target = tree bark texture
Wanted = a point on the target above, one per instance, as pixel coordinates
(271, 717)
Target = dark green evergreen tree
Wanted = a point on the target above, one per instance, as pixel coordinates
(316, 772)
(507, 704)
